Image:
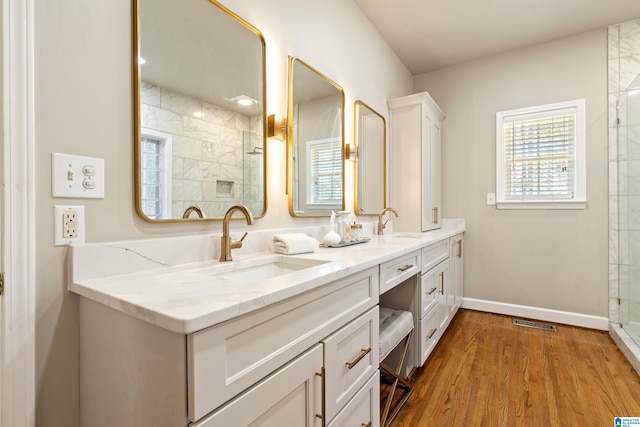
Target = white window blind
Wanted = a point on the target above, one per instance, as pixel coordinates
(541, 156)
(325, 160)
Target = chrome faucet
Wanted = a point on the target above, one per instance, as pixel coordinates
(381, 225)
(226, 242)
(193, 208)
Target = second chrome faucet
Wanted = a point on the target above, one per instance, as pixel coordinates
(226, 242)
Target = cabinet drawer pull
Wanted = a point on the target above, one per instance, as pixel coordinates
(435, 215)
(350, 365)
(430, 291)
(442, 283)
(433, 331)
(405, 268)
(323, 379)
(369, 424)
(459, 248)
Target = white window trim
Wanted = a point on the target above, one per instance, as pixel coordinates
(580, 200)
(167, 156)
(319, 206)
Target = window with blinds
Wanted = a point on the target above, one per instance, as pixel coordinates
(325, 172)
(540, 160)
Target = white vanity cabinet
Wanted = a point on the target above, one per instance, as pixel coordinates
(415, 126)
(272, 366)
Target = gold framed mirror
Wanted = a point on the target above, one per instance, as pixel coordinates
(371, 160)
(315, 142)
(199, 111)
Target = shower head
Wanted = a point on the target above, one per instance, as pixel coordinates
(255, 151)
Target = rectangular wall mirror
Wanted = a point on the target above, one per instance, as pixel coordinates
(315, 142)
(199, 111)
(371, 162)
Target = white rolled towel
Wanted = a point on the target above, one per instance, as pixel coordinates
(294, 243)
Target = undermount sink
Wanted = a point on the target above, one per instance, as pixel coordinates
(262, 268)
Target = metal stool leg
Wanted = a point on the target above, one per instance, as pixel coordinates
(388, 415)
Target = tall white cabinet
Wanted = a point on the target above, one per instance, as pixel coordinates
(415, 125)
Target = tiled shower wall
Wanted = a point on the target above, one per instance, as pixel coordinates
(210, 164)
(624, 181)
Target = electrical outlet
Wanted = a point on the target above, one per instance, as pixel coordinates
(68, 225)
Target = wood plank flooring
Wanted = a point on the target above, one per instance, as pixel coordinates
(488, 372)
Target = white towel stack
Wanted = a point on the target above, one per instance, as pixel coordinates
(294, 243)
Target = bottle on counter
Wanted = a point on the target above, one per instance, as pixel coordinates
(344, 228)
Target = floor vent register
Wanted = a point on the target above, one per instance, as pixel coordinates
(536, 325)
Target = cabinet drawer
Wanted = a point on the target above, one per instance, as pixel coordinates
(350, 358)
(432, 255)
(399, 269)
(430, 285)
(429, 334)
(226, 359)
(289, 397)
(364, 408)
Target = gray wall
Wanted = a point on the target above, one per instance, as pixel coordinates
(547, 259)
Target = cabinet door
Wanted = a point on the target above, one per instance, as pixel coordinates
(289, 397)
(363, 409)
(428, 333)
(434, 169)
(429, 291)
(428, 214)
(350, 359)
(457, 268)
(441, 279)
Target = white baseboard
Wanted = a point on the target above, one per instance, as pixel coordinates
(564, 317)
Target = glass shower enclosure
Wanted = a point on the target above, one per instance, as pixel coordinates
(628, 215)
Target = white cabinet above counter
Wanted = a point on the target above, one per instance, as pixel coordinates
(415, 131)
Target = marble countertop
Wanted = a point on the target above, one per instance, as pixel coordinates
(184, 298)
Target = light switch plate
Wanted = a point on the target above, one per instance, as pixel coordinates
(77, 176)
(491, 199)
(61, 227)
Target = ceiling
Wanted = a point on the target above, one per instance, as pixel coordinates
(431, 34)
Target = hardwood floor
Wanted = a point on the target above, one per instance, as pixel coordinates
(488, 372)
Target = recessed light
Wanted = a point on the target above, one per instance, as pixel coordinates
(243, 100)
(198, 114)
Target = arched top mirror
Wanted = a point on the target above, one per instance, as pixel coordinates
(315, 142)
(199, 111)
(371, 164)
